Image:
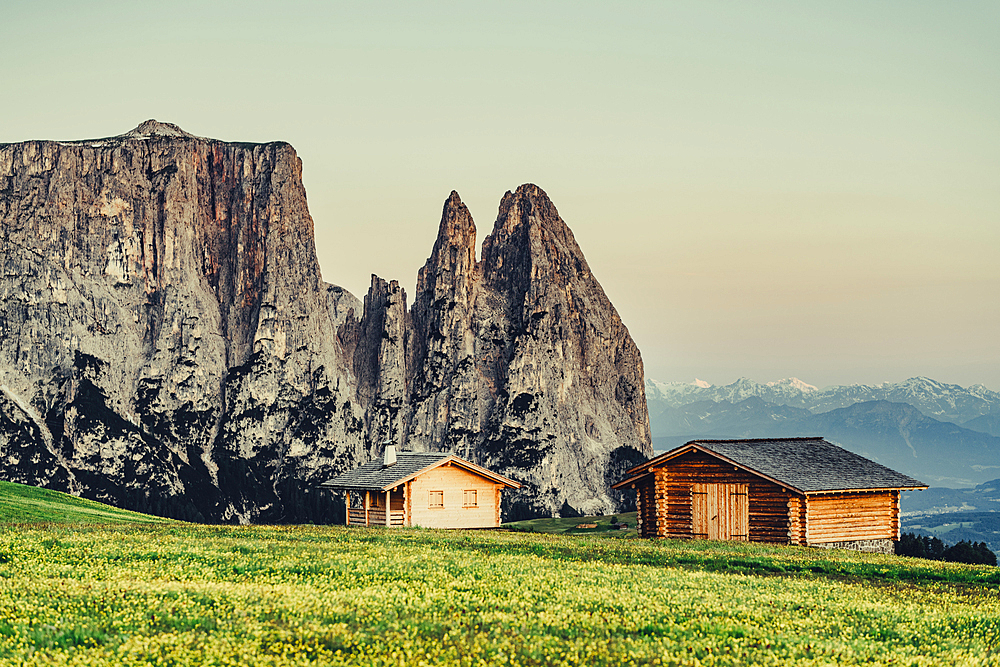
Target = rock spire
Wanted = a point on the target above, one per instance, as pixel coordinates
(167, 343)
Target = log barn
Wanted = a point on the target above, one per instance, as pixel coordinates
(803, 491)
(427, 489)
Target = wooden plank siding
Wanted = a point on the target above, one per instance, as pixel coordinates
(453, 481)
(666, 501)
(843, 517)
(719, 511)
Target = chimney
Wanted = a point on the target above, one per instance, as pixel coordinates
(389, 457)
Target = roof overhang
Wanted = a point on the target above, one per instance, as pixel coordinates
(695, 447)
(451, 459)
(471, 467)
(632, 479)
(636, 473)
(873, 490)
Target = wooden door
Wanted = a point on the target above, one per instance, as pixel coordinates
(720, 511)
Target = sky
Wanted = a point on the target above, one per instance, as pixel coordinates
(764, 190)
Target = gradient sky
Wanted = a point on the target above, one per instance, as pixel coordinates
(764, 189)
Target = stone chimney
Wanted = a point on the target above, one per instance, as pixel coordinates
(389, 457)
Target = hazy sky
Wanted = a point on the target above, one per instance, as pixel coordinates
(763, 189)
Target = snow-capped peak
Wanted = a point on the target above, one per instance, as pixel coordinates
(939, 400)
(794, 383)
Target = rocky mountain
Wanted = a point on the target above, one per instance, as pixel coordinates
(167, 342)
(789, 391)
(985, 424)
(520, 361)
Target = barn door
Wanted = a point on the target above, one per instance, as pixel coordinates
(720, 511)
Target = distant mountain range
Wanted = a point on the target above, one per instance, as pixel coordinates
(945, 435)
(944, 402)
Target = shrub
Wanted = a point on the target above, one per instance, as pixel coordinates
(924, 546)
(975, 553)
(919, 546)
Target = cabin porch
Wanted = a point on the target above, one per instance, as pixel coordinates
(368, 508)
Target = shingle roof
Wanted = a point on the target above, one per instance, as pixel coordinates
(808, 465)
(373, 476)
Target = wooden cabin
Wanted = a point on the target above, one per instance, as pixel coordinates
(803, 491)
(428, 489)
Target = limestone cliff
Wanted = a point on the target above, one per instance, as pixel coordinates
(164, 330)
(522, 362)
(167, 343)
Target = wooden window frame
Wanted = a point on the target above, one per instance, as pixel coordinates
(475, 498)
(430, 499)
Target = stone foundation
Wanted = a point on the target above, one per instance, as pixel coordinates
(870, 546)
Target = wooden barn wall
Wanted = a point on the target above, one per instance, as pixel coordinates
(796, 519)
(645, 504)
(842, 517)
(895, 514)
(719, 511)
(768, 502)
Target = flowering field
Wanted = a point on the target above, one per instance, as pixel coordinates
(178, 594)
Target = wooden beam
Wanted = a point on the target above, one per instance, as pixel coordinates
(388, 508)
(408, 505)
(367, 503)
(347, 506)
(499, 490)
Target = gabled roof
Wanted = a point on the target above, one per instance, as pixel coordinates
(805, 465)
(373, 476)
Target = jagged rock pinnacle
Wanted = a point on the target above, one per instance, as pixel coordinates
(182, 355)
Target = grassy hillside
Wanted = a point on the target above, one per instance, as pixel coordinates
(184, 594)
(589, 525)
(27, 504)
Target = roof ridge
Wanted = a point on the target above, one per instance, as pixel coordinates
(805, 464)
(795, 439)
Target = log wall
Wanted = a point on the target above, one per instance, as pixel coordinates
(776, 514)
(797, 519)
(848, 517)
(645, 505)
(670, 511)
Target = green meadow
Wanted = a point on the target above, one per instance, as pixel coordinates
(26, 504)
(591, 525)
(168, 593)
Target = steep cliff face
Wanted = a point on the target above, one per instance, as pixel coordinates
(450, 401)
(167, 343)
(161, 310)
(526, 366)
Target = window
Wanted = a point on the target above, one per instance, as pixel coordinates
(435, 499)
(471, 498)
